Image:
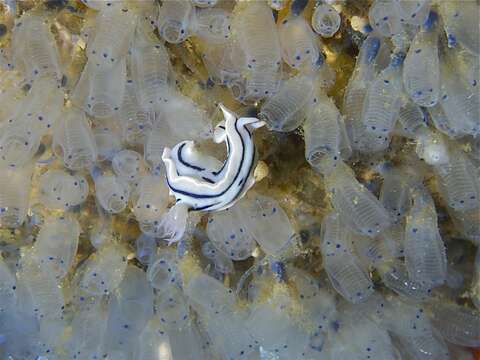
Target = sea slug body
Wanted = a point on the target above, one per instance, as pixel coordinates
(199, 182)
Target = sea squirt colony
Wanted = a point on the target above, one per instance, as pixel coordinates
(340, 221)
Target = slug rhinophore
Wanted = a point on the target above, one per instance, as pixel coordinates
(200, 181)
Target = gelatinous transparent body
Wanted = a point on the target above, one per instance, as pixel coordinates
(421, 69)
(56, 245)
(325, 20)
(173, 20)
(14, 196)
(343, 268)
(35, 49)
(286, 110)
(298, 43)
(359, 208)
(60, 190)
(114, 29)
(425, 256)
(73, 141)
(150, 67)
(112, 193)
(325, 133)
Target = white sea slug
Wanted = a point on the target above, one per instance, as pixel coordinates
(204, 188)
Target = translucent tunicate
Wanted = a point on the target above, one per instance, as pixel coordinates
(155, 142)
(209, 295)
(228, 232)
(459, 100)
(135, 121)
(354, 98)
(467, 223)
(256, 31)
(128, 165)
(458, 179)
(88, 328)
(11, 94)
(114, 29)
(363, 339)
(150, 67)
(325, 133)
(172, 308)
(224, 61)
(222, 263)
(318, 302)
(385, 18)
(361, 210)
(104, 270)
(14, 195)
(286, 110)
(21, 135)
(56, 245)
(261, 82)
(35, 48)
(163, 271)
(413, 12)
(129, 310)
(101, 4)
(411, 118)
(153, 343)
(343, 268)
(272, 325)
(325, 20)
(60, 190)
(184, 119)
(107, 141)
(383, 99)
(43, 105)
(298, 43)
(42, 297)
(204, 3)
(461, 21)
(371, 251)
(425, 256)
(395, 193)
(73, 140)
(212, 25)
(146, 247)
(150, 200)
(431, 147)
(421, 68)
(174, 18)
(226, 327)
(100, 90)
(395, 277)
(416, 335)
(268, 223)
(112, 193)
(18, 143)
(457, 324)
